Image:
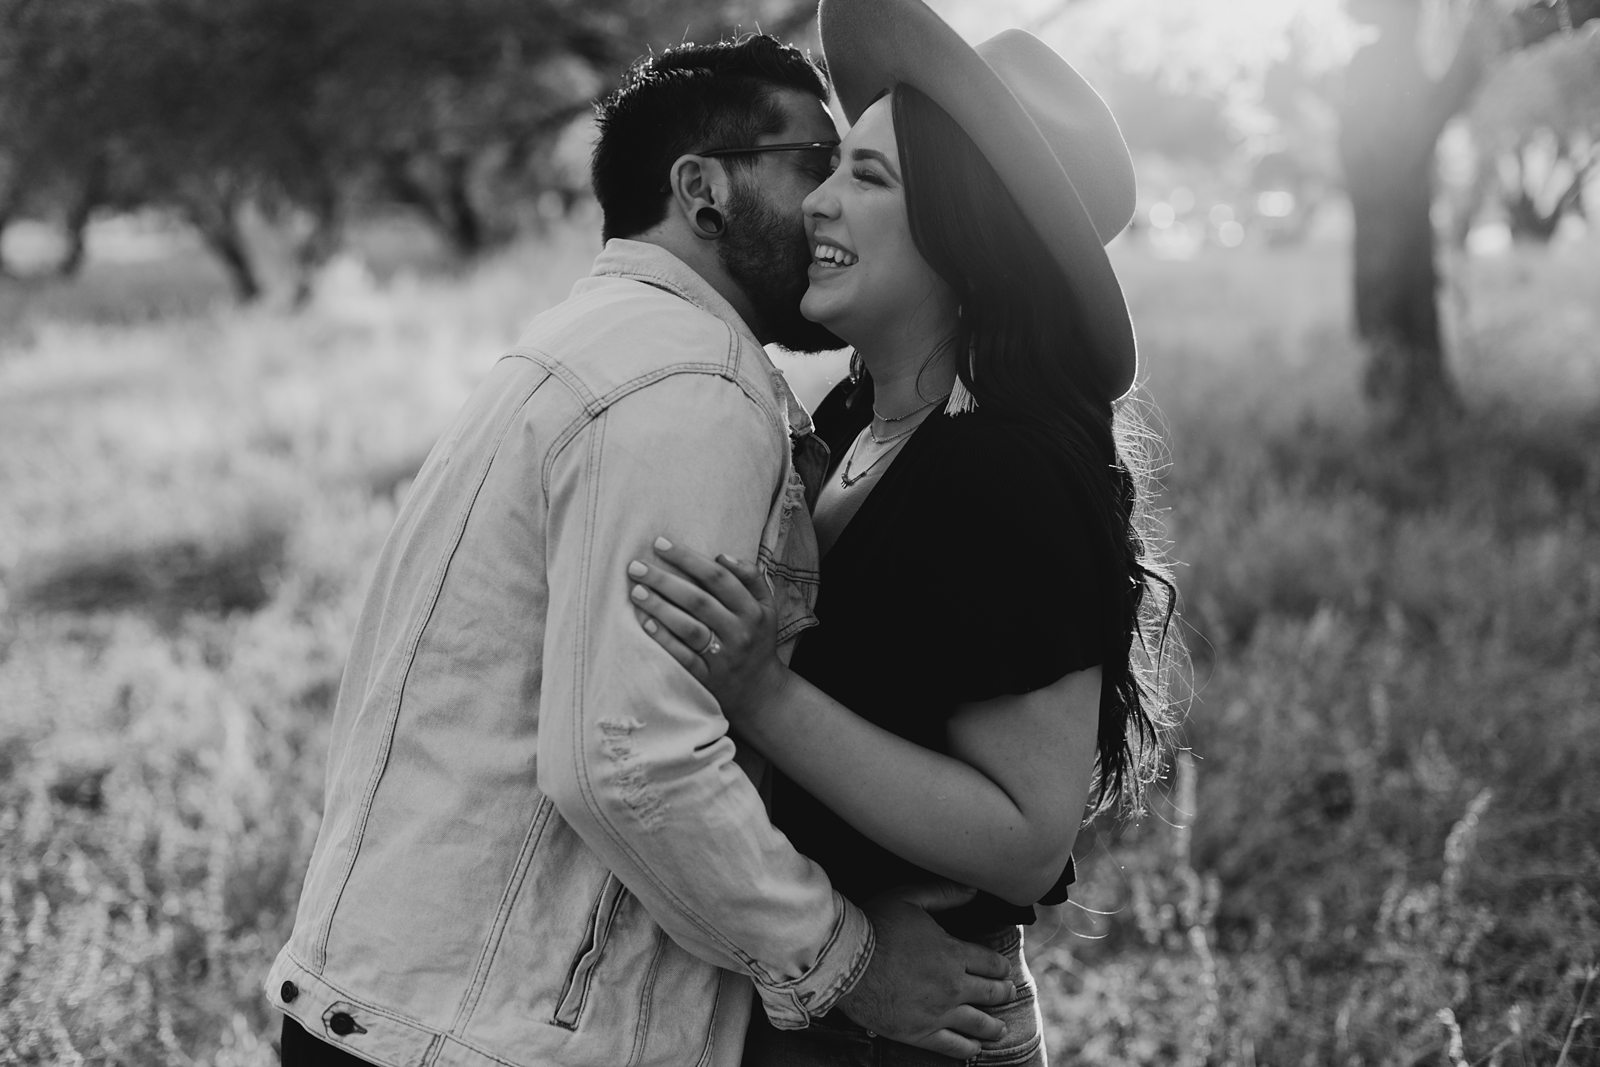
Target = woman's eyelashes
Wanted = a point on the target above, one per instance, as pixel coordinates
(861, 172)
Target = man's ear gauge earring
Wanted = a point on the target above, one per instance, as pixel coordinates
(709, 224)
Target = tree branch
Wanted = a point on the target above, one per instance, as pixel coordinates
(1491, 36)
(1539, 21)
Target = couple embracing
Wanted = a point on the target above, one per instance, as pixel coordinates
(680, 727)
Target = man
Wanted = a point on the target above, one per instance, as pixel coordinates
(539, 845)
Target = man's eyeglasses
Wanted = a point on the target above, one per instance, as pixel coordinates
(794, 146)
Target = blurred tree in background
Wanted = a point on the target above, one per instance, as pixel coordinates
(307, 114)
(55, 145)
(1536, 131)
(1421, 67)
(301, 111)
(1317, 100)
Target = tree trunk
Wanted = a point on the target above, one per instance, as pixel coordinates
(1389, 129)
(314, 250)
(1390, 123)
(7, 211)
(15, 178)
(228, 245)
(1405, 379)
(448, 208)
(468, 234)
(218, 224)
(1529, 221)
(79, 212)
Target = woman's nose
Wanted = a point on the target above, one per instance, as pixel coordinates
(820, 203)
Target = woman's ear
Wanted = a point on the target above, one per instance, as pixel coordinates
(699, 188)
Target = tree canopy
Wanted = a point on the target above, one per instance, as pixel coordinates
(304, 109)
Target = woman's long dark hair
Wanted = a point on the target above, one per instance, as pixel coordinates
(1022, 352)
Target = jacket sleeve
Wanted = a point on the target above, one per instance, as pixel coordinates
(632, 750)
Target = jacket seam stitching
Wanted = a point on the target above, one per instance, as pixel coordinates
(596, 447)
(604, 917)
(595, 405)
(413, 642)
(755, 968)
(827, 946)
(491, 948)
(586, 948)
(709, 1047)
(345, 996)
(647, 990)
(481, 1051)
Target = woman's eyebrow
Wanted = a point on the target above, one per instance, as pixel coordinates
(877, 157)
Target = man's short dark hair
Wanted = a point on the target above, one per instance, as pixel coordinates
(689, 98)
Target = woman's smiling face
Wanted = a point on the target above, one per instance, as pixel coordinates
(868, 280)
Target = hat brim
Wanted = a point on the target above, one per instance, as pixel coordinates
(873, 45)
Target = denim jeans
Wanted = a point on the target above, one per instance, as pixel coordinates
(835, 1041)
(300, 1049)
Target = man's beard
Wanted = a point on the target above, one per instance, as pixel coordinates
(767, 255)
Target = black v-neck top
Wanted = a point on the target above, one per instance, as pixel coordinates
(967, 574)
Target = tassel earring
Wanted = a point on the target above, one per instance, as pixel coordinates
(961, 399)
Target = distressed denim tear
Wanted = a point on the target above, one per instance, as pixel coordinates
(618, 747)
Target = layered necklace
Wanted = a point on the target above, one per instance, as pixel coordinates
(846, 479)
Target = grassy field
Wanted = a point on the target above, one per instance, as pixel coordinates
(1385, 847)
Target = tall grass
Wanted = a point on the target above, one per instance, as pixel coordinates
(1385, 847)
(1390, 837)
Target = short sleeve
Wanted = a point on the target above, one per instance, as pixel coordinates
(1012, 566)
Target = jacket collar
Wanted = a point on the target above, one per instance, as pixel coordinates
(654, 265)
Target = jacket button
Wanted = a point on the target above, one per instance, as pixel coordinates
(289, 991)
(342, 1024)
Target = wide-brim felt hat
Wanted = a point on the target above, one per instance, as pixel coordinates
(1041, 126)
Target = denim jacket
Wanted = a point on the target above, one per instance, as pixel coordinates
(539, 844)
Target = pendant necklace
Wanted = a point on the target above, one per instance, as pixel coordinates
(892, 437)
(845, 479)
(914, 411)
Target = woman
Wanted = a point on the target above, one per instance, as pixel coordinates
(990, 614)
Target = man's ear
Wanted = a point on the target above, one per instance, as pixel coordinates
(699, 188)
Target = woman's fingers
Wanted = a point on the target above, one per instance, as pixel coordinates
(711, 575)
(670, 619)
(750, 576)
(687, 596)
(682, 653)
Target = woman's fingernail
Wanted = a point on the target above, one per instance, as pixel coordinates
(650, 626)
(663, 544)
(730, 561)
(640, 592)
(637, 569)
